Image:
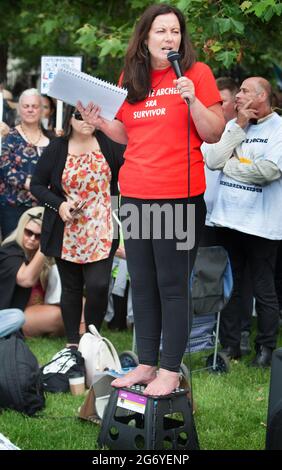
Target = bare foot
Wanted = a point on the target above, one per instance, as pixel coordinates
(143, 374)
(165, 382)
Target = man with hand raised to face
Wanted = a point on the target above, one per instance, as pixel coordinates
(249, 156)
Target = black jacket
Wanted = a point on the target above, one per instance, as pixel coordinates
(46, 186)
(11, 294)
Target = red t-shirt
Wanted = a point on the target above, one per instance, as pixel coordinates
(36, 295)
(156, 164)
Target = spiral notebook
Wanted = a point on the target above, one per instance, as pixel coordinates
(72, 86)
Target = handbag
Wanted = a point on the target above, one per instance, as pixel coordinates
(99, 354)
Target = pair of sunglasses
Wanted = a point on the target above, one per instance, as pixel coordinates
(29, 233)
(76, 115)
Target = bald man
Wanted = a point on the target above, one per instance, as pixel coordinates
(247, 205)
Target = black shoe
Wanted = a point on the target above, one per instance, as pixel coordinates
(232, 352)
(262, 358)
(245, 345)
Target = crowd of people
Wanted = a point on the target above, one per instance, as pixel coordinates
(55, 204)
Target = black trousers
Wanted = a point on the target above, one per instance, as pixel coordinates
(159, 276)
(95, 277)
(246, 300)
(213, 236)
(260, 254)
(278, 275)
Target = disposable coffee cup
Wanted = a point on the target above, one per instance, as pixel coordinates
(77, 384)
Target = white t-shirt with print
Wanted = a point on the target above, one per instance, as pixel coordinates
(248, 207)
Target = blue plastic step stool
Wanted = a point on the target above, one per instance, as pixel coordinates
(133, 421)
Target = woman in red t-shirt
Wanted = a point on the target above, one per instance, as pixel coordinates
(158, 185)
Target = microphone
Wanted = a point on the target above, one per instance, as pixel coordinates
(174, 58)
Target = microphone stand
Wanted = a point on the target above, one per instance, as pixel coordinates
(174, 58)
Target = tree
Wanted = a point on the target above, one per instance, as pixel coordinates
(227, 34)
(7, 31)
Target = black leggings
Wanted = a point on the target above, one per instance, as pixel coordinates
(96, 277)
(159, 279)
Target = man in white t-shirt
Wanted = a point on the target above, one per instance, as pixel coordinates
(249, 156)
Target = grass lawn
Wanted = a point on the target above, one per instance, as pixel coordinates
(231, 408)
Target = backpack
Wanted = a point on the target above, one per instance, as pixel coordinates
(55, 374)
(20, 384)
(99, 354)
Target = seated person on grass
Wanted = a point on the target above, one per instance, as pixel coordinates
(24, 277)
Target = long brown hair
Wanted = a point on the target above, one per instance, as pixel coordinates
(137, 68)
(67, 127)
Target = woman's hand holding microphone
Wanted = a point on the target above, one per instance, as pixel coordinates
(186, 88)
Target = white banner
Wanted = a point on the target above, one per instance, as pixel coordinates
(50, 66)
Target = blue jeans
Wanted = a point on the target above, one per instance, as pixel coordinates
(11, 320)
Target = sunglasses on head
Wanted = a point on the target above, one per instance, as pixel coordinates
(77, 116)
(36, 216)
(29, 233)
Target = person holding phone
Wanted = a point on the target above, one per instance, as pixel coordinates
(74, 180)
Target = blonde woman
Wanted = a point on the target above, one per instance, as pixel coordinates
(24, 277)
(21, 149)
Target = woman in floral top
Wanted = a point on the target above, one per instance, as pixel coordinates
(75, 178)
(20, 152)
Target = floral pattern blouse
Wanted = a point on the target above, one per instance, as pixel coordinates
(88, 237)
(17, 161)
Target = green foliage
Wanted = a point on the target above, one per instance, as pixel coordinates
(264, 9)
(226, 33)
